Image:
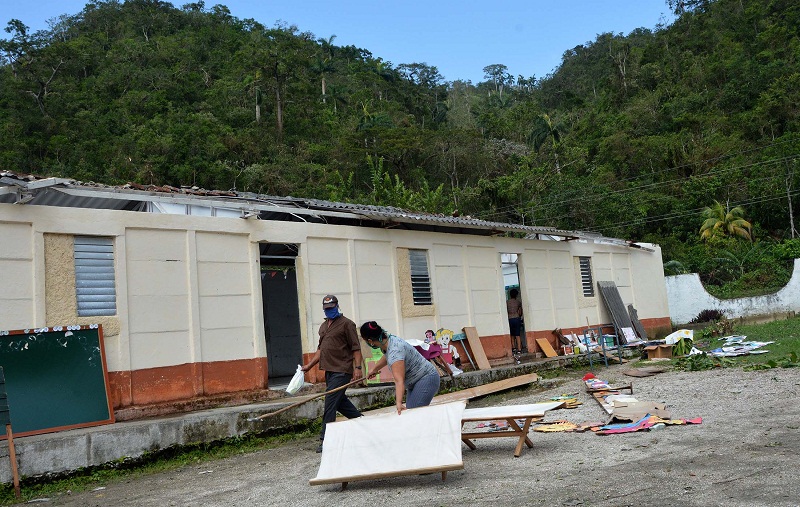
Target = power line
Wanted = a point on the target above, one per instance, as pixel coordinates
(775, 176)
(601, 195)
(706, 161)
(555, 199)
(687, 213)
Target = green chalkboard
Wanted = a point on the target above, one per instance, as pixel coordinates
(4, 418)
(55, 378)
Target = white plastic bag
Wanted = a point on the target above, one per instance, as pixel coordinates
(297, 381)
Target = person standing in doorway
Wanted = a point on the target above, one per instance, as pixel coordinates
(339, 354)
(514, 307)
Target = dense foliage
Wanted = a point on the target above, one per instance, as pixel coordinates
(632, 136)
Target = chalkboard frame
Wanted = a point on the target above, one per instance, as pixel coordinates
(51, 333)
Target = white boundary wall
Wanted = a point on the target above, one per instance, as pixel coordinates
(687, 297)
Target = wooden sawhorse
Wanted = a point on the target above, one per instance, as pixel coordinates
(510, 413)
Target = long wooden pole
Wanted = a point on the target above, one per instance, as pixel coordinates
(293, 405)
(13, 455)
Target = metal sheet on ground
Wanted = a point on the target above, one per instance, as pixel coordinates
(613, 302)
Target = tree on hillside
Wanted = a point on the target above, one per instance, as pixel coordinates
(323, 65)
(545, 129)
(498, 74)
(721, 221)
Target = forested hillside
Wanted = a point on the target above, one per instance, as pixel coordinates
(632, 136)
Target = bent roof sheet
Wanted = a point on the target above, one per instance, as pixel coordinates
(71, 193)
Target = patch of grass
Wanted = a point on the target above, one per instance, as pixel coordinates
(171, 458)
(782, 353)
(699, 362)
(785, 334)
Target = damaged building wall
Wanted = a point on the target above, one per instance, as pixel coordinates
(190, 319)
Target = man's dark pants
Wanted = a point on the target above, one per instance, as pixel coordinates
(338, 401)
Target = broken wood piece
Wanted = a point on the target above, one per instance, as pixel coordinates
(13, 455)
(646, 371)
(474, 341)
(548, 349)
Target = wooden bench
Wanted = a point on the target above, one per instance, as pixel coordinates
(509, 413)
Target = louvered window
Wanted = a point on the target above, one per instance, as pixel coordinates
(586, 276)
(94, 276)
(420, 278)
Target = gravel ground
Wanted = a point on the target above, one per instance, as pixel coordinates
(743, 454)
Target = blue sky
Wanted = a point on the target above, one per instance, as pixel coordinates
(458, 37)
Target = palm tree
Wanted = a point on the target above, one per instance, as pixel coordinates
(721, 221)
(323, 66)
(542, 130)
(324, 62)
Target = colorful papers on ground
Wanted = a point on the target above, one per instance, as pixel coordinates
(645, 423)
(736, 345)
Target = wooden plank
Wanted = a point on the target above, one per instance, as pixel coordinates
(12, 453)
(477, 349)
(383, 475)
(482, 390)
(546, 347)
(466, 394)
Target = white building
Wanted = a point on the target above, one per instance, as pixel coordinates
(203, 293)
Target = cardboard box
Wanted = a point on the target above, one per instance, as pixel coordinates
(659, 351)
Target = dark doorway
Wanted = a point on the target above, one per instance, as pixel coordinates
(281, 312)
(509, 263)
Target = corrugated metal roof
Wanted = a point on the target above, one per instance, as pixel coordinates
(33, 190)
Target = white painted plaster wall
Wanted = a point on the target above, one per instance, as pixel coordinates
(189, 286)
(687, 297)
(16, 276)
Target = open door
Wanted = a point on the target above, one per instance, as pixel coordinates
(509, 264)
(281, 312)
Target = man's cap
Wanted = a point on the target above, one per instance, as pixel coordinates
(329, 301)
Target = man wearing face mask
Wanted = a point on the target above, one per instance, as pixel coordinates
(339, 354)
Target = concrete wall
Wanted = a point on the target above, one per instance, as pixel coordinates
(189, 317)
(687, 298)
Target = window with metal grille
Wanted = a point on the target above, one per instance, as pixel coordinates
(420, 278)
(94, 276)
(586, 276)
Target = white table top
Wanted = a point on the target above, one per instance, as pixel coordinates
(506, 411)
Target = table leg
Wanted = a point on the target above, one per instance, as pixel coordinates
(469, 443)
(523, 434)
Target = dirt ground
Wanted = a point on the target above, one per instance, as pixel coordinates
(744, 453)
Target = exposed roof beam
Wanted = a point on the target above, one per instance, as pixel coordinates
(249, 205)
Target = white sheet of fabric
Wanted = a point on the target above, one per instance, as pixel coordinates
(419, 438)
(672, 339)
(529, 410)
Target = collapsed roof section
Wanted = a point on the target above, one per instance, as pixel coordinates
(24, 189)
